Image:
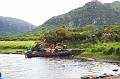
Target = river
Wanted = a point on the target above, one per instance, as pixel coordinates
(14, 66)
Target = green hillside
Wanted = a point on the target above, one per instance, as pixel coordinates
(93, 12)
(13, 26)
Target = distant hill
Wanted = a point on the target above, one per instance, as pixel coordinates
(93, 12)
(13, 26)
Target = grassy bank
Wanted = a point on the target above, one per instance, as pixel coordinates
(109, 50)
(102, 51)
(25, 37)
(15, 46)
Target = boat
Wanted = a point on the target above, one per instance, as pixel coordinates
(44, 53)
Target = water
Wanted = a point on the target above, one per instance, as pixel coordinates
(17, 67)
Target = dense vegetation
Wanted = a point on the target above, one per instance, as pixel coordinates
(88, 33)
(103, 41)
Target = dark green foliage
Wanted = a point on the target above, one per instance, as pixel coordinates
(117, 52)
(89, 33)
(57, 36)
(110, 51)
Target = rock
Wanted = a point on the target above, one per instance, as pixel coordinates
(115, 69)
(94, 77)
(102, 76)
(109, 75)
(105, 74)
(85, 77)
(118, 74)
(90, 77)
(90, 59)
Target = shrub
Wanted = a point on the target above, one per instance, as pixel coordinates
(117, 52)
(110, 51)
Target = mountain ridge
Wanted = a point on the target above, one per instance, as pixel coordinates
(14, 26)
(93, 12)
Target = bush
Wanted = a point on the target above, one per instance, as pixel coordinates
(110, 51)
(117, 52)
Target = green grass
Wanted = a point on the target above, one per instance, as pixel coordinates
(103, 51)
(25, 37)
(109, 50)
(12, 50)
(13, 46)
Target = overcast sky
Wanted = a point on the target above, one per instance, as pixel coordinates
(38, 11)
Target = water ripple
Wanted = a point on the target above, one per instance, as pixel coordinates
(17, 67)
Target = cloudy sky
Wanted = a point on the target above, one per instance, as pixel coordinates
(38, 11)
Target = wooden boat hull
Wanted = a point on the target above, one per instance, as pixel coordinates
(50, 54)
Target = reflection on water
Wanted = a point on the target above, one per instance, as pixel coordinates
(17, 67)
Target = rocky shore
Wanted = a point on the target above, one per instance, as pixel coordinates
(104, 76)
(112, 77)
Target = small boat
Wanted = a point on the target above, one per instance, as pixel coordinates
(42, 53)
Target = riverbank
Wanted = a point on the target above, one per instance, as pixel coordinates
(115, 62)
(111, 77)
(11, 52)
(15, 46)
(104, 76)
(106, 51)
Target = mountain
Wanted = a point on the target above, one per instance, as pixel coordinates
(93, 12)
(13, 26)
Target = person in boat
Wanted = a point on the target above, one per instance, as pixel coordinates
(52, 47)
(56, 47)
(40, 47)
(29, 52)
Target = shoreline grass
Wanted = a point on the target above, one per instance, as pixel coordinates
(15, 46)
(109, 50)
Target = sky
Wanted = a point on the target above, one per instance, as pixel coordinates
(39, 11)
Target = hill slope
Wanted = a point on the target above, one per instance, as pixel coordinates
(13, 26)
(93, 12)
